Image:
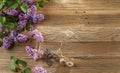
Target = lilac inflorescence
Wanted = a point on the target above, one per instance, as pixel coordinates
(18, 37)
(36, 35)
(22, 16)
(7, 42)
(11, 12)
(32, 16)
(21, 24)
(31, 12)
(33, 53)
(37, 18)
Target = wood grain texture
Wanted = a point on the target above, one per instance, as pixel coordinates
(97, 57)
(89, 31)
(95, 13)
(80, 34)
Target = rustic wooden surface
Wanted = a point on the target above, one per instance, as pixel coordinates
(89, 30)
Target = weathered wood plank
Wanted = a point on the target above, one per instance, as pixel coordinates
(85, 4)
(87, 19)
(79, 34)
(77, 50)
(94, 57)
(95, 13)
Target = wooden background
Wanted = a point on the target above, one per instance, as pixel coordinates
(89, 30)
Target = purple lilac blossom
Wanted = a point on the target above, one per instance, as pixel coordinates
(32, 16)
(13, 34)
(31, 12)
(39, 17)
(11, 12)
(33, 53)
(21, 24)
(7, 42)
(36, 35)
(39, 70)
(22, 17)
(20, 38)
(31, 2)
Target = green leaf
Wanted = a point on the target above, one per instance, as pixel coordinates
(1, 5)
(13, 68)
(1, 1)
(13, 26)
(20, 1)
(1, 24)
(28, 26)
(41, 3)
(14, 6)
(24, 7)
(21, 63)
(1, 35)
(6, 30)
(13, 59)
(37, 5)
(8, 3)
(27, 70)
(2, 20)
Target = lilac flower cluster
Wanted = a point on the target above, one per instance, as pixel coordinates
(14, 37)
(33, 17)
(18, 37)
(21, 24)
(30, 16)
(33, 53)
(11, 12)
(37, 18)
(22, 21)
(39, 70)
(36, 35)
(22, 16)
(7, 42)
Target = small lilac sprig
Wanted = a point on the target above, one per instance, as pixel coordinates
(11, 12)
(33, 53)
(35, 34)
(7, 42)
